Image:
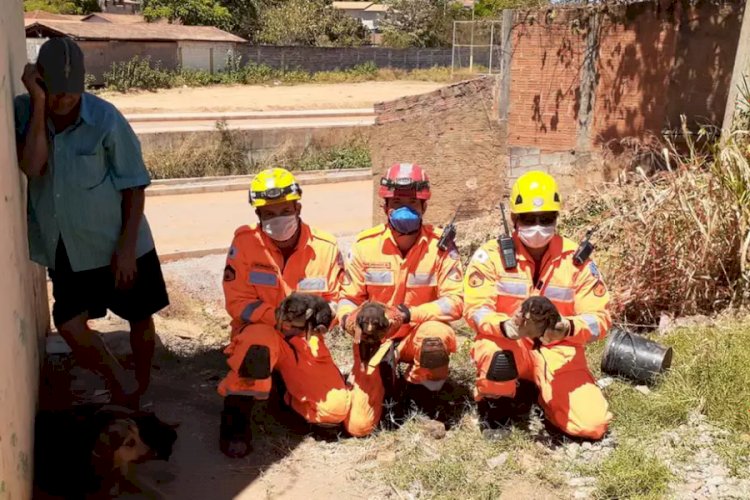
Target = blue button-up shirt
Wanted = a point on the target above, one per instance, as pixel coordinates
(79, 196)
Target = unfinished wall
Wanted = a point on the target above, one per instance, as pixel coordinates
(23, 300)
(100, 55)
(451, 132)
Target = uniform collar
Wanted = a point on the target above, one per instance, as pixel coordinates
(389, 236)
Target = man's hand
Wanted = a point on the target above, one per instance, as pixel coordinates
(31, 80)
(396, 317)
(555, 334)
(519, 327)
(124, 267)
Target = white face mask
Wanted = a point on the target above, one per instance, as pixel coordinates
(536, 236)
(281, 228)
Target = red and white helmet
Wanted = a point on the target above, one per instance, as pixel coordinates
(405, 179)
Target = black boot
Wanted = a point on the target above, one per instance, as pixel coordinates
(496, 414)
(235, 433)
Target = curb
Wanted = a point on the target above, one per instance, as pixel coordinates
(249, 115)
(191, 254)
(196, 185)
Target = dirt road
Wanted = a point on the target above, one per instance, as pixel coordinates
(207, 221)
(262, 98)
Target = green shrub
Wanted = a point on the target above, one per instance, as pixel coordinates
(138, 73)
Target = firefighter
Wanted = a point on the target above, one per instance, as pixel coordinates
(508, 347)
(266, 263)
(399, 264)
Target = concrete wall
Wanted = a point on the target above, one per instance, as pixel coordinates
(23, 300)
(100, 55)
(207, 56)
(261, 145)
(453, 134)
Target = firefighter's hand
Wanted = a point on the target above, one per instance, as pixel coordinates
(397, 317)
(557, 333)
(519, 327)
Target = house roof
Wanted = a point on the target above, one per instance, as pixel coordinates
(114, 18)
(378, 7)
(351, 5)
(41, 14)
(131, 32)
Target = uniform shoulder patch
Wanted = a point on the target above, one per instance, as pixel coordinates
(232, 252)
(229, 273)
(456, 275)
(476, 279)
(600, 289)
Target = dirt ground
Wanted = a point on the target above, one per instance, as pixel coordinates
(266, 98)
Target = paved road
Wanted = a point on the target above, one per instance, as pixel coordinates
(197, 222)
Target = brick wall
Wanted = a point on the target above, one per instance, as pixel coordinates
(575, 81)
(451, 132)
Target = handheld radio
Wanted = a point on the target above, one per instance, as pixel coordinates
(583, 252)
(449, 233)
(507, 247)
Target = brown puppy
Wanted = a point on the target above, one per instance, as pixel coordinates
(303, 313)
(373, 326)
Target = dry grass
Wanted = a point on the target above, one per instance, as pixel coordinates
(675, 242)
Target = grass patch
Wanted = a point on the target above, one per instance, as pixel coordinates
(629, 472)
(710, 373)
(225, 154)
(145, 74)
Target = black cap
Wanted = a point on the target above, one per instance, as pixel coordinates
(60, 63)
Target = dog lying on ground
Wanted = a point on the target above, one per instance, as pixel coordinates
(88, 452)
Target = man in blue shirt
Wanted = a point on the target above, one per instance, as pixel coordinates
(85, 214)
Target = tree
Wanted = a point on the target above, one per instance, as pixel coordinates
(189, 12)
(421, 23)
(74, 7)
(310, 22)
(246, 16)
(494, 8)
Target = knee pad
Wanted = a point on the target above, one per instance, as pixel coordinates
(502, 367)
(433, 354)
(257, 363)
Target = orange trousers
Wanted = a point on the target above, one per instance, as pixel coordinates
(567, 391)
(315, 387)
(367, 392)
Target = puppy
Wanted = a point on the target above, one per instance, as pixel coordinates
(541, 312)
(373, 325)
(88, 453)
(303, 312)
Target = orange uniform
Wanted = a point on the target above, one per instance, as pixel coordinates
(570, 398)
(429, 282)
(256, 281)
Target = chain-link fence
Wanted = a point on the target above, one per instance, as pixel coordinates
(477, 46)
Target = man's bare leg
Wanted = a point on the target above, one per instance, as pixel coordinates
(143, 342)
(92, 353)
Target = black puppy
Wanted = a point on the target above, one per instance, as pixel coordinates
(303, 312)
(87, 451)
(541, 312)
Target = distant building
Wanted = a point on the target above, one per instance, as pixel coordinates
(105, 41)
(368, 13)
(120, 6)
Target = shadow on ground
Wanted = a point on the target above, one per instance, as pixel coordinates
(183, 391)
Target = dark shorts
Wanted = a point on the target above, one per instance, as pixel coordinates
(94, 291)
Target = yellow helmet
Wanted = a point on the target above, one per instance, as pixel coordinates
(535, 191)
(274, 185)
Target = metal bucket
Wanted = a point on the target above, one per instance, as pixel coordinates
(634, 357)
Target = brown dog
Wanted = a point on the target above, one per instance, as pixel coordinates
(87, 453)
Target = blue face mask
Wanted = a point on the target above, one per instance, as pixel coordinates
(405, 220)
